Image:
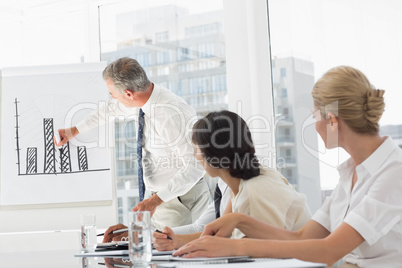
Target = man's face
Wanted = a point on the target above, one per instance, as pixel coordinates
(208, 168)
(123, 98)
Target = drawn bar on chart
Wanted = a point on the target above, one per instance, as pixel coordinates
(32, 160)
(65, 160)
(50, 156)
(82, 158)
(17, 137)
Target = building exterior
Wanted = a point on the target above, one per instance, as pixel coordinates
(296, 141)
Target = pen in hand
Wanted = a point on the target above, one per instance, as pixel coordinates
(168, 237)
(115, 232)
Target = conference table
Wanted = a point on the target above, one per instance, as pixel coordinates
(66, 259)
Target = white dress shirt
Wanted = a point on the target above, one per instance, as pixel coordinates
(270, 198)
(373, 208)
(170, 168)
(208, 215)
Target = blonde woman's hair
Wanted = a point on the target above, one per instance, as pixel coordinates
(348, 94)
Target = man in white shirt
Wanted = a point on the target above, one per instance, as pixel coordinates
(176, 194)
(209, 214)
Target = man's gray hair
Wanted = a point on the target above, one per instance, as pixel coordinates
(127, 73)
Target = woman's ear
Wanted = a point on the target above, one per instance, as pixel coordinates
(333, 120)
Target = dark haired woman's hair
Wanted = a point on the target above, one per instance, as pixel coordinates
(225, 142)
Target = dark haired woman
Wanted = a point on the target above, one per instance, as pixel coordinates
(223, 145)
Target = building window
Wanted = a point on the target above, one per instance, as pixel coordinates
(286, 112)
(162, 57)
(161, 37)
(203, 30)
(144, 59)
(183, 54)
(284, 92)
(283, 72)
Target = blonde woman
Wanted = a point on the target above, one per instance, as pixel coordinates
(362, 219)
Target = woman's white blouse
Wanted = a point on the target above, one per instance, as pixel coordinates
(373, 208)
(270, 198)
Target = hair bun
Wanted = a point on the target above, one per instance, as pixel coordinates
(374, 105)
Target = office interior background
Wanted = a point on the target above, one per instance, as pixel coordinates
(224, 54)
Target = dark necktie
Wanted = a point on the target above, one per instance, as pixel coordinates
(217, 201)
(141, 187)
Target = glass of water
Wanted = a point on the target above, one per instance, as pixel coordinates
(88, 232)
(139, 235)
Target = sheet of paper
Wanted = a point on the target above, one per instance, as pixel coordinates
(160, 253)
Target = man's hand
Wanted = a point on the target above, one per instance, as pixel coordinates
(162, 243)
(108, 237)
(149, 204)
(66, 135)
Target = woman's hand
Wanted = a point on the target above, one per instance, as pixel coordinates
(162, 243)
(223, 226)
(210, 246)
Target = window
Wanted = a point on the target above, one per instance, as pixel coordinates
(286, 112)
(283, 72)
(305, 43)
(219, 83)
(203, 30)
(144, 59)
(183, 54)
(162, 37)
(181, 46)
(284, 92)
(162, 57)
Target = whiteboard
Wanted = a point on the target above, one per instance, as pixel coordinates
(35, 102)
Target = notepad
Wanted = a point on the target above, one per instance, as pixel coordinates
(258, 263)
(114, 245)
(205, 259)
(120, 253)
(104, 253)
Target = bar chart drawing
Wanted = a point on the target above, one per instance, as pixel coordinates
(65, 160)
(32, 161)
(82, 158)
(52, 163)
(50, 152)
